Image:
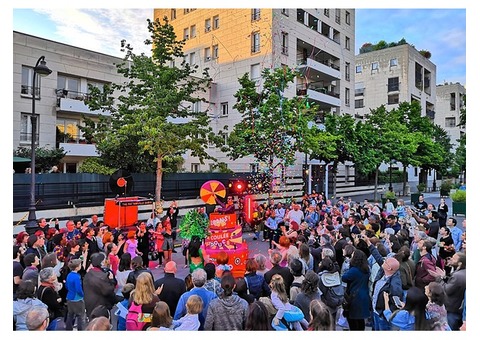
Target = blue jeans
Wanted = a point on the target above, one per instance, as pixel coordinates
(379, 323)
(454, 320)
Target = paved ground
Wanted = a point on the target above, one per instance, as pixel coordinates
(262, 247)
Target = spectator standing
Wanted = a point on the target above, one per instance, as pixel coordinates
(75, 301)
(173, 287)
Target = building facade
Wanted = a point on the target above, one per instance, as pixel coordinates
(231, 42)
(450, 102)
(59, 97)
(393, 75)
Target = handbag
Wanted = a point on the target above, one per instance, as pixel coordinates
(293, 314)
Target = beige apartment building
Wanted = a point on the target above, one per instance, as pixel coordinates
(59, 96)
(393, 75)
(450, 102)
(231, 42)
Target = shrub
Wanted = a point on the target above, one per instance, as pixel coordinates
(390, 194)
(421, 187)
(459, 196)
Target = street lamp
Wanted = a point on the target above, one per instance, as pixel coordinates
(42, 70)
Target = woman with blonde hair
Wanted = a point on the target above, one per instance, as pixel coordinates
(145, 295)
(161, 318)
(320, 317)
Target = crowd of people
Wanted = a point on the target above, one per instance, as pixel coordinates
(332, 265)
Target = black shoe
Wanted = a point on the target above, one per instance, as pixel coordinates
(174, 251)
(255, 239)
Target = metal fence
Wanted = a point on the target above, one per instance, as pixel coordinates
(58, 191)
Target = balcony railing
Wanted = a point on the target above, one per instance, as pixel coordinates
(75, 139)
(63, 93)
(315, 86)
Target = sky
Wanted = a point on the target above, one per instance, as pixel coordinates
(441, 31)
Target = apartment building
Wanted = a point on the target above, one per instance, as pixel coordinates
(450, 102)
(393, 75)
(231, 42)
(59, 97)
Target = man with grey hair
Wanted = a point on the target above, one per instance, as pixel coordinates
(37, 318)
(48, 293)
(275, 259)
(199, 277)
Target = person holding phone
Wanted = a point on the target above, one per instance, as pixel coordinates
(409, 316)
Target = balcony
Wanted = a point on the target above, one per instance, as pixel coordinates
(78, 146)
(323, 70)
(319, 92)
(73, 101)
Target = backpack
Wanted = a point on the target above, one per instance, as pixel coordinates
(136, 320)
(332, 294)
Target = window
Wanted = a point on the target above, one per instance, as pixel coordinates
(195, 107)
(360, 91)
(393, 84)
(255, 42)
(195, 167)
(393, 99)
(27, 79)
(193, 31)
(374, 66)
(393, 62)
(254, 167)
(96, 84)
(224, 109)
(450, 122)
(207, 54)
(69, 126)
(186, 10)
(285, 11)
(359, 103)
(347, 43)
(358, 69)
(452, 101)
(337, 15)
(347, 96)
(192, 58)
(284, 43)
(255, 72)
(326, 12)
(26, 128)
(185, 34)
(173, 14)
(347, 71)
(208, 25)
(71, 86)
(347, 17)
(255, 14)
(215, 52)
(216, 22)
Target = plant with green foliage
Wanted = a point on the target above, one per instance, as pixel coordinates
(45, 158)
(152, 118)
(390, 194)
(459, 196)
(194, 224)
(93, 165)
(273, 127)
(421, 187)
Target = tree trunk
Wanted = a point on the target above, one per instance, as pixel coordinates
(334, 169)
(404, 180)
(158, 184)
(376, 185)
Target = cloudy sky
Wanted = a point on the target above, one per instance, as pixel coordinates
(441, 31)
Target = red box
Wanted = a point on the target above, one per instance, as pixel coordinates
(118, 216)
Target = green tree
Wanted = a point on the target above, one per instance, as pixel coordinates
(338, 136)
(273, 128)
(45, 158)
(152, 118)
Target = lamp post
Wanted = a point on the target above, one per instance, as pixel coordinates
(42, 70)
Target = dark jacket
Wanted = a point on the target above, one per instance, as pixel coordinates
(98, 290)
(257, 286)
(357, 289)
(132, 277)
(284, 272)
(173, 288)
